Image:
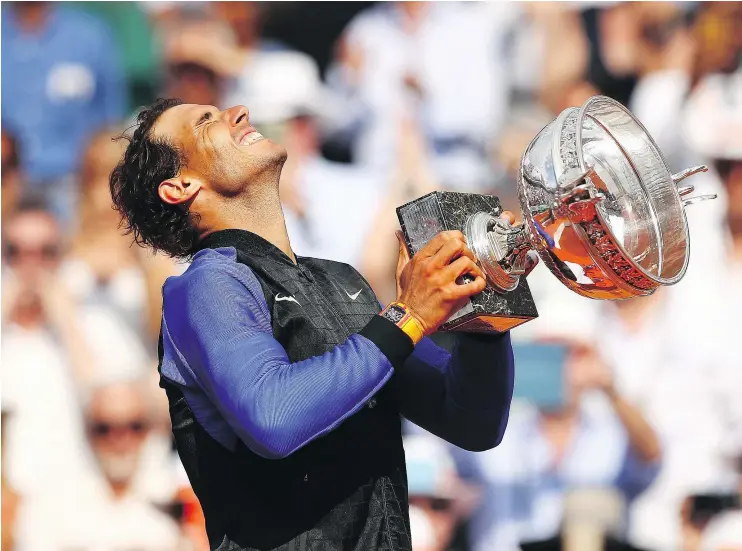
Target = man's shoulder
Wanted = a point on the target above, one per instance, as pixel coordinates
(211, 271)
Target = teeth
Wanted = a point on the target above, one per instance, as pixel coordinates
(251, 138)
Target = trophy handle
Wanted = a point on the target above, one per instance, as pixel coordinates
(698, 199)
(687, 190)
(683, 174)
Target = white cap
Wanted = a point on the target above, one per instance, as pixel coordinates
(282, 85)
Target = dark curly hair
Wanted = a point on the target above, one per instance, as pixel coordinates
(134, 187)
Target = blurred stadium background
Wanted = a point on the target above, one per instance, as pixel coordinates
(626, 431)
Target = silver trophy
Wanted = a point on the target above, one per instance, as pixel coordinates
(600, 206)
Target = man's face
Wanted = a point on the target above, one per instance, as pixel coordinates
(31, 245)
(221, 148)
(117, 425)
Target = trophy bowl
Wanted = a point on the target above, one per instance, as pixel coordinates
(601, 209)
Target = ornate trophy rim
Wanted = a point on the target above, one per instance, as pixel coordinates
(561, 197)
(677, 205)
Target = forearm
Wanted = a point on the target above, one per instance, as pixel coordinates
(78, 352)
(642, 437)
(465, 397)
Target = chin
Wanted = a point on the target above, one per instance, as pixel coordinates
(271, 149)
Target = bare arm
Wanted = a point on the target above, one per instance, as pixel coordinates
(62, 317)
(642, 436)
(588, 370)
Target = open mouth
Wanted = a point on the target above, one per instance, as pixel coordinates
(250, 137)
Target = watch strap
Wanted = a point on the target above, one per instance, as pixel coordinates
(407, 323)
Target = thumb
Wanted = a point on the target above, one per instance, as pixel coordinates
(404, 256)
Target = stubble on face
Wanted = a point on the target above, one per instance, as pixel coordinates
(212, 152)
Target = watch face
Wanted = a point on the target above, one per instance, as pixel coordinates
(395, 314)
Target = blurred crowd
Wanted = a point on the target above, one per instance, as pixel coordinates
(626, 427)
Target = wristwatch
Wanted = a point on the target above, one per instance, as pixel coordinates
(399, 314)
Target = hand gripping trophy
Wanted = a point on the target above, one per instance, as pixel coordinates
(601, 209)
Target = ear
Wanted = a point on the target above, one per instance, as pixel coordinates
(179, 190)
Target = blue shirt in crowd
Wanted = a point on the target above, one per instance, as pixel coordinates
(59, 85)
(524, 487)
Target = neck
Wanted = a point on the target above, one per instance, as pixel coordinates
(258, 211)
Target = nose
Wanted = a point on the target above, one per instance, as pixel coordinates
(237, 115)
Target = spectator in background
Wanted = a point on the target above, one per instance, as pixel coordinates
(61, 81)
(105, 513)
(198, 60)
(44, 357)
(411, 58)
(605, 49)
(12, 178)
(246, 21)
(225, 38)
(52, 348)
(686, 387)
(577, 441)
(102, 267)
(137, 44)
(328, 206)
(255, 62)
(439, 499)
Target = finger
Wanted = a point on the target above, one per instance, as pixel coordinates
(451, 250)
(404, 253)
(435, 244)
(462, 266)
(468, 289)
(508, 216)
(404, 258)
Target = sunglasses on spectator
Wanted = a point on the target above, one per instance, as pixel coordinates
(102, 430)
(439, 504)
(47, 252)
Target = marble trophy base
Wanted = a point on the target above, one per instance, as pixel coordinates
(489, 311)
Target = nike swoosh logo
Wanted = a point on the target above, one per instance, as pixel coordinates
(353, 296)
(279, 298)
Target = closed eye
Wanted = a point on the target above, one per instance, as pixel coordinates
(205, 117)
